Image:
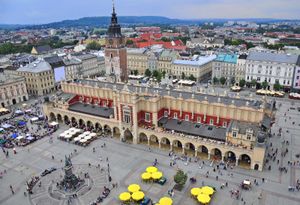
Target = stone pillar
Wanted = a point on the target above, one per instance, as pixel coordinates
(196, 152)
(208, 155)
(154, 119)
(159, 144)
(171, 146)
(237, 162)
(183, 150)
(149, 141)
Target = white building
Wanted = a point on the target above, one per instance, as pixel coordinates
(271, 67)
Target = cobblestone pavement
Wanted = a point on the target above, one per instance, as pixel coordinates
(128, 161)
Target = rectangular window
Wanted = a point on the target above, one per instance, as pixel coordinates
(147, 117)
(175, 115)
(187, 118)
(234, 134)
(211, 122)
(249, 137)
(199, 119)
(166, 114)
(224, 124)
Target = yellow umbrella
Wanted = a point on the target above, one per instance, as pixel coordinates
(125, 196)
(137, 196)
(151, 169)
(203, 198)
(207, 190)
(195, 191)
(165, 201)
(134, 188)
(157, 175)
(146, 176)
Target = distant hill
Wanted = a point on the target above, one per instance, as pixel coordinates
(130, 20)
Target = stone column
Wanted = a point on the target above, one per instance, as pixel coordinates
(237, 162)
(154, 118)
(208, 156)
(159, 144)
(171, 146)
(183, 149)
(196, 152)
(149, 141)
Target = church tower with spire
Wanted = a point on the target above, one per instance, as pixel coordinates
(115, 51)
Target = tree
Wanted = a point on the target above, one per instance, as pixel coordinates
(192, 77)
(180, 179)
(223, 80)
(215, 80)
(135, 72)
(232, 81)
(277, 86)
(242, 83)
(253, 82)
(148, 73)
(129, 42)
(93, 46)
(182, 75)
(157, 75)
(163, 74)
(165, 39)
(264, 84)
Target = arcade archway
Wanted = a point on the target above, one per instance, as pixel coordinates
(202, 152)
(216, 154)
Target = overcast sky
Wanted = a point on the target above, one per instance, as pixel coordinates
(45, 11)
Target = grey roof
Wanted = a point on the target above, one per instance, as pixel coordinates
(273, 57)
(64, 96)
(266, 122)
(84, 56)
(243, 126)
(54, 61)
(71, 61)
(195, 129)
(36, 67)
(94, 110)
(43, 49)
(239, 102)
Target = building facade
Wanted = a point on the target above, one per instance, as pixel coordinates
(115, 51)
(194, 124)
(12, 90)
(271, 67)
(200, 67)
(137, 59)
(39, 77)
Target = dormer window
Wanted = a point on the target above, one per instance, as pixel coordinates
(234, 134)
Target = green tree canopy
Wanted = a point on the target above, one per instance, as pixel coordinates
(277, 86)
(215, 80)
(148, 73)
(93, 45)
(192, 77)
(180, 178)
(183, 75)
(135, 72)
(242, 83)
(264, 84)
(223, 80)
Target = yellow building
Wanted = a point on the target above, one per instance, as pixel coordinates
(194, 124)
(39, 77)
(137, 59)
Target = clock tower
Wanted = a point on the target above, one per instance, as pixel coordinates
(115, 51)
